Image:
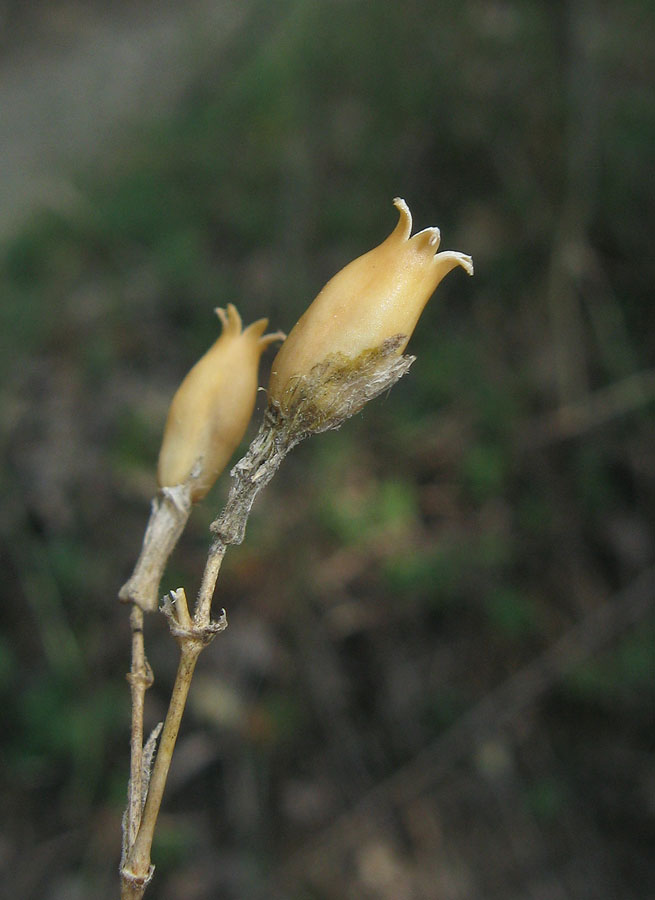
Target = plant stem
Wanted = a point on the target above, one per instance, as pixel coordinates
(136, 869)
(138, 862)
(193, 636)
(140, 678)
(208, 584)
(277, 435)
(169, 514)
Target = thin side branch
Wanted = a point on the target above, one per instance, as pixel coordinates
(334, 390)
(202, 613)
(168, 515)
(138, 863)
(140, 678)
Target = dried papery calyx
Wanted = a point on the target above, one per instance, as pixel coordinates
(364, 315)
(213, 406)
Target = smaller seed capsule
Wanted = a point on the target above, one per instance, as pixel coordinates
(211, 410)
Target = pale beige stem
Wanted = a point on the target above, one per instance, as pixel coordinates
(138, 866)
(169, 514)
(140, 678)
(208, 585)
(132, 889)
(278, 434)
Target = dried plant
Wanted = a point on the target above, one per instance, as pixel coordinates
(345, 350)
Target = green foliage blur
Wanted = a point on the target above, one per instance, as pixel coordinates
(396, 572)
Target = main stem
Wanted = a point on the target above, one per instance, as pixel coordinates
(251, 474)
(347, 385)
(193, 636)
(138, 863)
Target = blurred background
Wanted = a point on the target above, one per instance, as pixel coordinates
(438, 679)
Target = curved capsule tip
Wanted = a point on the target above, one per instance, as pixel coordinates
(403, 229)
(230, 320)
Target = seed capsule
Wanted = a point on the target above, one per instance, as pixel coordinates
(374, 300)
(212, 407)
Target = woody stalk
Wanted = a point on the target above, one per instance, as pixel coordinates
(347, 348)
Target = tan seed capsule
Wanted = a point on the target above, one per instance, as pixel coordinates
(213, 406)
(375, 299)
